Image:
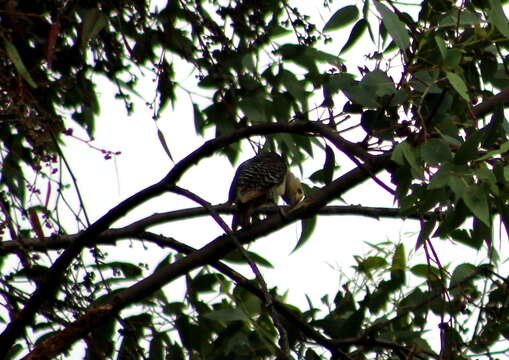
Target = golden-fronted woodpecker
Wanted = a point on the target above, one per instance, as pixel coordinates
(260, 181)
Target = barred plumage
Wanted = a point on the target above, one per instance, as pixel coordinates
(259, 181)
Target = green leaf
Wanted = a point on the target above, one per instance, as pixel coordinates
(394, 26)
(227, 315)
(307, 57)
(441, 45)
(342, 17)
(15, 57)
(441, 177)
(452, 59)
(295, 87)
(462, 236)
(458, 84)
(204, 282)
(132, 333)
(325, 174)
(165, 86)
(457, 185)
(425, 271)
(404, 151)
(308, 226)
(361, 96)
(435, 151)
(164, 144)
(378, 83)
(469, 150)
(311, 355)
(13, 351)
(426, 229)
(503, 148)
(199, 122)
(254, 108)
(156, 349)
(497, 17)
(461, 280)
(341, 81)
(237, 258)
(476, 199)
(12, 176)
(367, 265)
(357, 31)
(93, 22)
(173, 308)
(462, 18)
(398, 266)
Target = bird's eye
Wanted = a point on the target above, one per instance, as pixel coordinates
(299, 191)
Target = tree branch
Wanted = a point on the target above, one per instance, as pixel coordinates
(47, 288)
(222, 245)
(59, 242)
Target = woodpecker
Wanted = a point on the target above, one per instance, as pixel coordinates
(261, 181)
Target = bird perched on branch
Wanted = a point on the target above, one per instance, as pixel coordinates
(261, 181)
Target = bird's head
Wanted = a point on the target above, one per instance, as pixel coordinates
(293, 190)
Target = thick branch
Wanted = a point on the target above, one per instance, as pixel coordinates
(47, 289)
(222, 245)
(130, 231)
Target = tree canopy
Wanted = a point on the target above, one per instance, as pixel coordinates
(419, 112)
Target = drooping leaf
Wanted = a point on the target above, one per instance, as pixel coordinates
(237, 258)
(357, 31)
(325, 174)
(199, 122)
(308, 226)
(426, 230)
(342, 17)
(497, 16)
(394, 26)
(93, 22)
(458, 84)
(476, 199)
(18, 62)
(398, 266)
(164, 144)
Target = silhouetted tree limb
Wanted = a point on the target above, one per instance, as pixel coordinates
(111, 236)
(222, 245)
(215, 250)
(46, 289)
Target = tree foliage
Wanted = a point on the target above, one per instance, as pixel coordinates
(423, 104)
